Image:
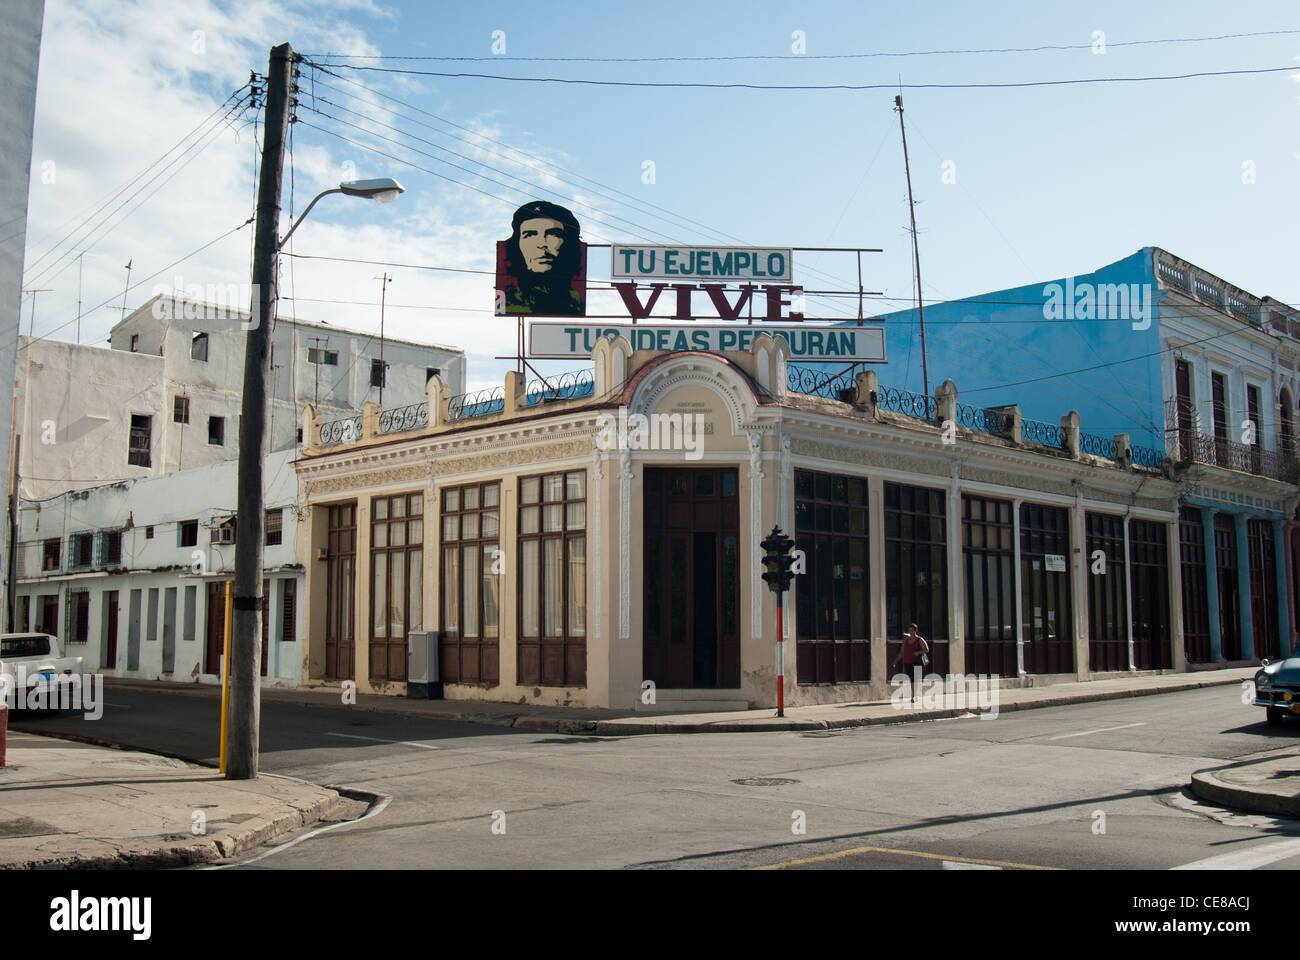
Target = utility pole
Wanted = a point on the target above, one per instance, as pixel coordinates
(246, 634)
(128, 286)
(320, 358)
(383, 370)
(31, 326)
(916, 250)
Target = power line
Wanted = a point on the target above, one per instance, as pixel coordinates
(548, 170)
(824, 56)
(120, 190)
(816, 86)
(145, 280)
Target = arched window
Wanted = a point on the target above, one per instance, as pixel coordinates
(1287, 428)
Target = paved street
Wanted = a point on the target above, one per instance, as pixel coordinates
(1033, 789)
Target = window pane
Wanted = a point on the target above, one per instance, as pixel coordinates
(381, 509)
(417, 504)
(576, 485)
(490, 611)
(451, 500)
(528, 520)
(577, 586)
(451, 591)
(451, 528)
(398, 508)
(415, 531)
(379, 595)
(470, 582)
(416, 590)
(528, 573)
(529, 490)
(551, 518)
(491, 524)
(469, 526)
(491, 495)
(551, 576)
(397, 534)
(577, 516)
(471, 498)
(728, 484)
(379, 534)
(397, 596)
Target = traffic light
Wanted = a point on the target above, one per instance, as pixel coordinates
(777, 560)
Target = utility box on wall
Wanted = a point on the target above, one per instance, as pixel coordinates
(422, 679)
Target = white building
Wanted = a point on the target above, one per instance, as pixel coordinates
(167, 395)
(131, 575)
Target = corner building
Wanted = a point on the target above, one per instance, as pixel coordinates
(560, 568)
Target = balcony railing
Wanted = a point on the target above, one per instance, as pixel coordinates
(1182, 429)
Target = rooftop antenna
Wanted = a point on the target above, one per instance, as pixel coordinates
(81, 257)
(31, 329)
(383, 371)
(128, 287)
(916, 251)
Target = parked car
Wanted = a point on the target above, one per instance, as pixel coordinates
(40, 655)
(1277, 688)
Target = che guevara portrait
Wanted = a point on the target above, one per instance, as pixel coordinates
(542, 268)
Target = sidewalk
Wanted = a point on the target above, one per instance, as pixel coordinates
(1270, 785)
(76, 806)
(620, 723)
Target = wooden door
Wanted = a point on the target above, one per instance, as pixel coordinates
(216, 627)
(340, 587)
(108, 657)
(691, 583)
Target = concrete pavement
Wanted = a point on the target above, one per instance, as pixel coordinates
(1268, 785)
(79, 806)
(620, 723)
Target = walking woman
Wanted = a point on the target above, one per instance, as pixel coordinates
(915, 656)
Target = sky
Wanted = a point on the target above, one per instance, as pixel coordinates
(1012, 185)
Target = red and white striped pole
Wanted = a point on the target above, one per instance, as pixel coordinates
(780, 654)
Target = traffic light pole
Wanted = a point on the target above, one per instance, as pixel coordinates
(780, 653)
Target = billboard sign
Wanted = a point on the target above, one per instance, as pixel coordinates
(808, 343)
(702, 264)
(542, 268)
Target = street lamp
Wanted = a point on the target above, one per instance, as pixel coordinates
(240, 759)
(383, 190)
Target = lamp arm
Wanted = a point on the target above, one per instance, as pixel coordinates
(302, 216)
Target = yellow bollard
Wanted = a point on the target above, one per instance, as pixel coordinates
(225, 671)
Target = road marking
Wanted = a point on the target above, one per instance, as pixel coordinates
(1085, 733)
(992, 864)
(961, 865)
(1257, 856)
(405, 743)
(378, 808)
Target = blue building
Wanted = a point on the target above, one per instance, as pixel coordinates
(1191, 368)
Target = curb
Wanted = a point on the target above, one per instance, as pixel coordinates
(222, 846)
(1208, 786)
(621, 728)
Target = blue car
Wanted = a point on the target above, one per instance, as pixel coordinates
(1277, 689)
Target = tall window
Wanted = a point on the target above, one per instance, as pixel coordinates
(1263, 587)
(396, 580)
(199, 347)
(288, 611)
(52, 556)
(1196, 611)
(274, 526)
(916, 565)
(181, 409)
(217, 431)
(377, 373)
(1255, 435)
(1286, 429)
(140, 441)
(1045, 586)
(187, 533)
(832, 597)
(471, 525)
(1107, 604)
(81, 551)
(1219, 390)
(1185, 412)
(77, 627)
(987, 552)
(1149, 565)
(553, 579)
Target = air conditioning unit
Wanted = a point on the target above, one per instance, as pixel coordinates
(224, 532)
